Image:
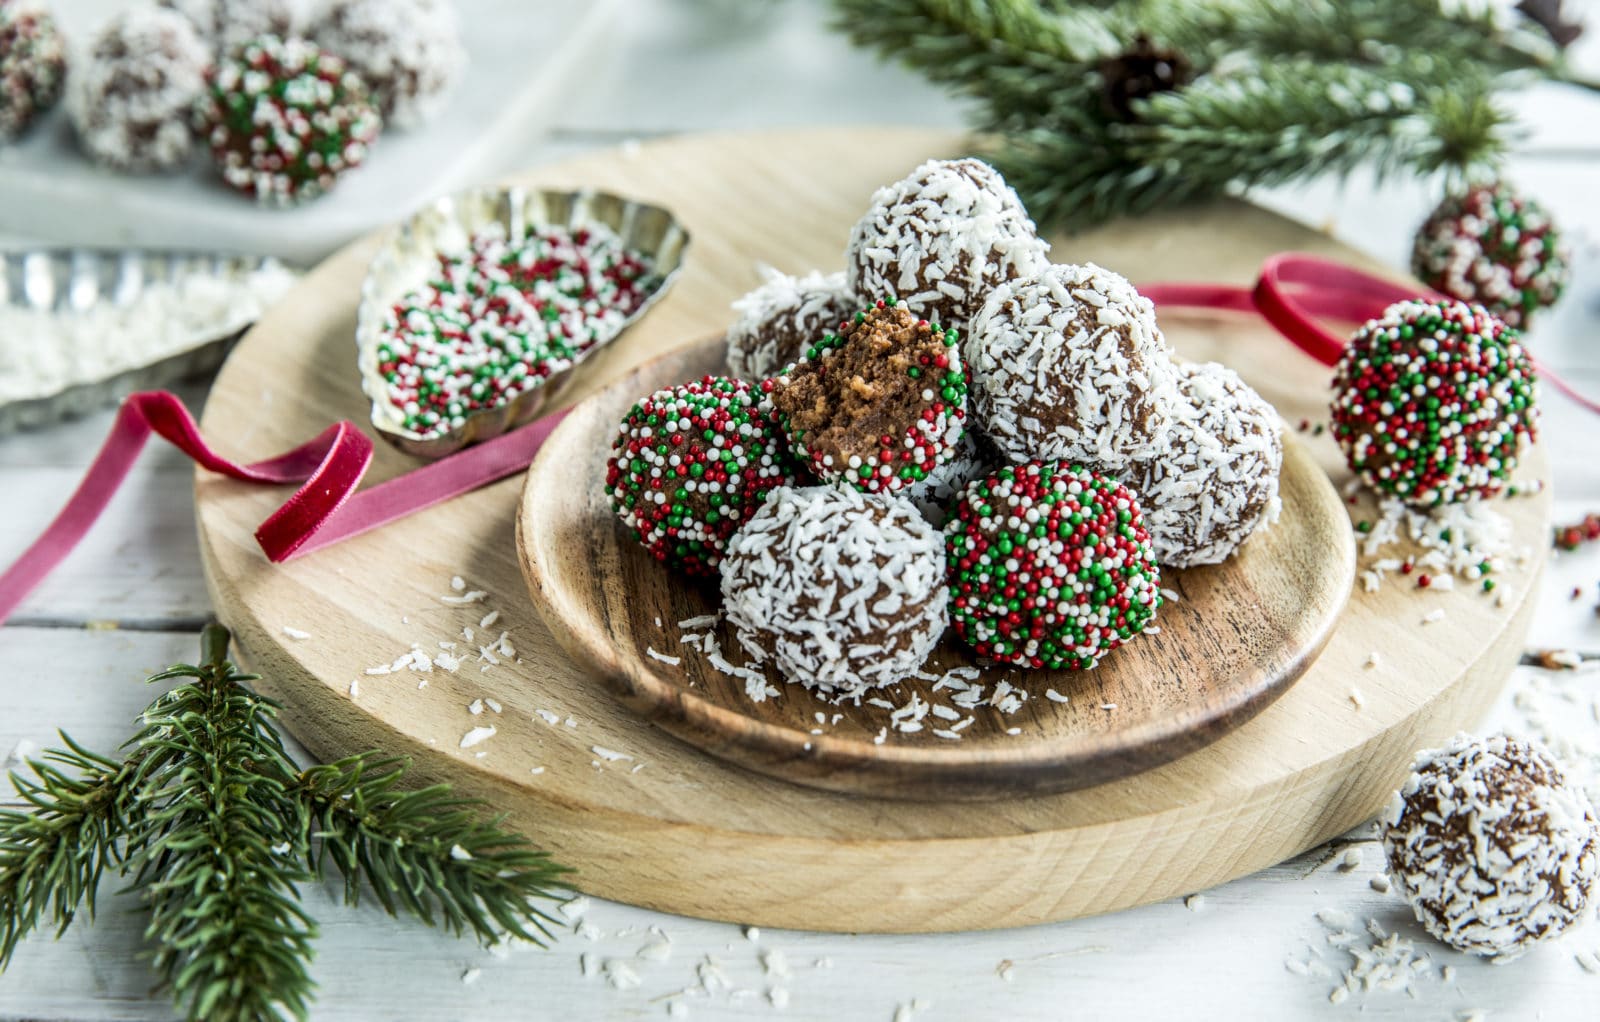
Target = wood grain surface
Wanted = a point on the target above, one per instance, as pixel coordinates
(1237, 636)
(688, 833)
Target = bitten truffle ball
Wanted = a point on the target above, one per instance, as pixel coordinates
(33, 65)
(226, 25)
(408, 52)
(1434, 402)
(689, 465)
(782, 318)
(1050, 566)
(879, 405)
(1490, 246)
(844, 591)
(1069, 365)
(285, 119)
(941, 239)
(1492, 847)
(1217, 480)
(131, 97)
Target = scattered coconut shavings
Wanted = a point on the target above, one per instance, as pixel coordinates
(1054, 696)
(549, 718)
(1108, 706)
(1433, 616)
(609, 755)
(703, 621)
(488, 620)
(355, 688)
(474, 596)
(1588, 960)
(1195, 902)
(470, 976)
(1357, 699)
(1381, 961)
(460, 854)
(665, 658)
(492, 704)
(574, 909)
(620, 974)
(476, 735)
(475, 707)
(656, 951)
(1351, 860)
(296, 633)
(1372, 660)
(1379, 883)
(1469, 540)
(536, 770)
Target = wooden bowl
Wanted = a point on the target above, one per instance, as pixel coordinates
(1240, 633)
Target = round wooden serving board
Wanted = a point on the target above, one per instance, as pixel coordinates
(1239, 634)
(675, 829)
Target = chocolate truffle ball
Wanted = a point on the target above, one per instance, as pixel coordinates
(1068, 365)
(33, 65)
(285, 119)
(1492, 847)
(131, 97)
(689, 465)
(1434, 402)
(941, 239)
(782, 318)
(1491, 246)
(879, 405)
(407, 51)
(226, 25)
(1050, 566)
(844, 591)
(1217, 480)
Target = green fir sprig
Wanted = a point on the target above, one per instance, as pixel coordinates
(216, 828)
(1275, 90)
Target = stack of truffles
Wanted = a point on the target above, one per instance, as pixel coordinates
(286, 104)
(954, 432)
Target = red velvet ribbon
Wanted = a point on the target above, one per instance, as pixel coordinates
(1293, 293)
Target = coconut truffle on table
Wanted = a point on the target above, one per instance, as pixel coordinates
(285, 120)
(1492, 847)
(783, 317)
(132, 95)
(408, 52)
(941, 239)
(33, 65)
(689, 465)
(1217, 479)
(1050, 566)
(1069, 365)
(879, 405)
(842, 591)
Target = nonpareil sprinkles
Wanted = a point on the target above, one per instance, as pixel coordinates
(499, 319)
(1050, 566)
(1434, 402)
(689, 465)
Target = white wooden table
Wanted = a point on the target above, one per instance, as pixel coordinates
(131, 601)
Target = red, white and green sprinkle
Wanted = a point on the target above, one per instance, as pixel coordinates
(284, 119)
(689, 465)
(1434, 402)
(1491, 246)
(1050, 566)
(499, 319)
(33, 65)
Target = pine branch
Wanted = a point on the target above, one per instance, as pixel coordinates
(1284, 89)
(218, 844)
(428, 853)
(53, 855)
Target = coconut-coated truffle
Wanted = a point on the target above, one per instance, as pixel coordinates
(782, 318)
(1492, 847)
(844, 591)
(941, 239)
(133, 92)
